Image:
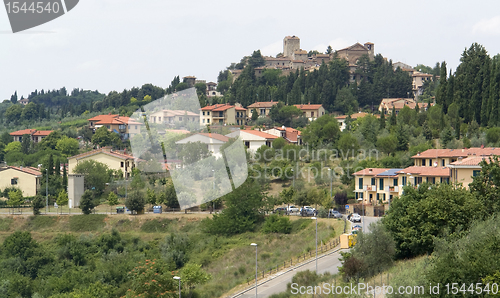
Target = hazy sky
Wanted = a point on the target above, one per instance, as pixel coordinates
(116, 44)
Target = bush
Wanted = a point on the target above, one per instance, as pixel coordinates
(87, 202)
(300, 224)
(277, 224)
(37, 203)
(323, 213)
(86, 223)
(135, 201)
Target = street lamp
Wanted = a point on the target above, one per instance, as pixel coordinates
(316, 243)
(47, 192)
(255, 244)
(331, 182)
(363, 208)
(179, 279)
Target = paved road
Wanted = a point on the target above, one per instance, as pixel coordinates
(327, 263)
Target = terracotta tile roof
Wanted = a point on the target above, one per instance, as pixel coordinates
(215, 136)
(113, 120)
(103, 151)
(240, 109)
(101, 117)
(427, 171)
(260, 134)
(43, 133)
(436, 153)
(370, 172)
(210, 108)
(27, 170)
(223, 108)
(170, 113)
(353, 116)
(181, 131)
(472, 161)
(23, 132)
(308, 107)
(263, 104)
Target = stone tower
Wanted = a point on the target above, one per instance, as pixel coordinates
(290, 45)
(371, 49)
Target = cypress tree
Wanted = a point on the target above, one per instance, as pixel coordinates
(393, 120)
(382, 120)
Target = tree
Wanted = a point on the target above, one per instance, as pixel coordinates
(26, 144)
(323, 130)
(255, 115)
(192, 152)
(13, 113)
(68, 146)
(135, 201)
(485, 185)
(256, 59)
(103, 137)
(96, 174)
(420, 215)
(329, 49)
(393, 120)
(279, 143)
(382, 120)
(87, 202)
(6, 138)
(15, 198)
(192, 275)
(62, 199)
(151, 197)
(286, 196)
(112, 199)
(37, 203)
(346, 144)
(13, 147)
(242, 211)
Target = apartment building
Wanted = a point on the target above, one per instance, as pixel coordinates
(36, 135)
(126, 127)
(223, 114)
(262, 108)
(312, 112)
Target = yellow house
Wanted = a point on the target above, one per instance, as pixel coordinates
(464, 170)
(416, 175)
(312, 112)
(377, 185)
(262, 108)
(27, 179)
(444, 157)
(223, 114)
(113, 159)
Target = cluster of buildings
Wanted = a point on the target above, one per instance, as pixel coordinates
(376, 185)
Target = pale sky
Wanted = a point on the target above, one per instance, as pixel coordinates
(118, 44)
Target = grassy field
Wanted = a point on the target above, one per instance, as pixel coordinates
(230, 260)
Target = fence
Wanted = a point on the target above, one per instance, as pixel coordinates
(295, 261)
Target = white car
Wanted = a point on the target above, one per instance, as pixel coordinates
(355, 217)
(293, 209)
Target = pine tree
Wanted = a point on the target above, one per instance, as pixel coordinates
(393, 120)
(442, 91)
(382, 120)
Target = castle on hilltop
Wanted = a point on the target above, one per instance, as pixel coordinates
(293, 58)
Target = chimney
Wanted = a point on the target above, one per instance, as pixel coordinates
(482, 146)
(369, 170)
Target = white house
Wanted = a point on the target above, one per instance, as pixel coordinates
(213, 140)
(253, 139)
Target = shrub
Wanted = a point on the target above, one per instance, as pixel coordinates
(323, 213)
(41, 222)
(300, 224)
(135, 201)
(87, 202)
(277, 224)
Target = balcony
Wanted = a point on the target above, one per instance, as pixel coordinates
(392, 188)
(370, 188)
(219, 116)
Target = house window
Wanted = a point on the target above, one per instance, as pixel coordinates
(159, 119)
(203, 113)
(312, 114)
(373, 181)
(107, 126)
(180, 118)
(203, 120)
(378, 197)
(381, 184)
(360, 195)
(208, 113)
(423, 162)
(395, 181)
(383, 197)
(122, 164)
(136, 127)
(13, 181)
(476, 173)
(208, 120)
(247, 144)
(360, 183)
(442, 162)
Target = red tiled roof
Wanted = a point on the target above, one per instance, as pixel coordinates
(260, 134)
(101, 117)
(223, 108)
(28, 170)
(104, 151)
(370, 172)
(43, 133)
(215, 136)
(263, 104)
(240, 109)
(427, 171)
(308, 107)
(210, 108)
(436, 153)
(23, 132)
(470, 161)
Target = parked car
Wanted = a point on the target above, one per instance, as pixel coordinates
(334, 214)
(293, 209)
(355, 217)
(307, 211)
(280, 210)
